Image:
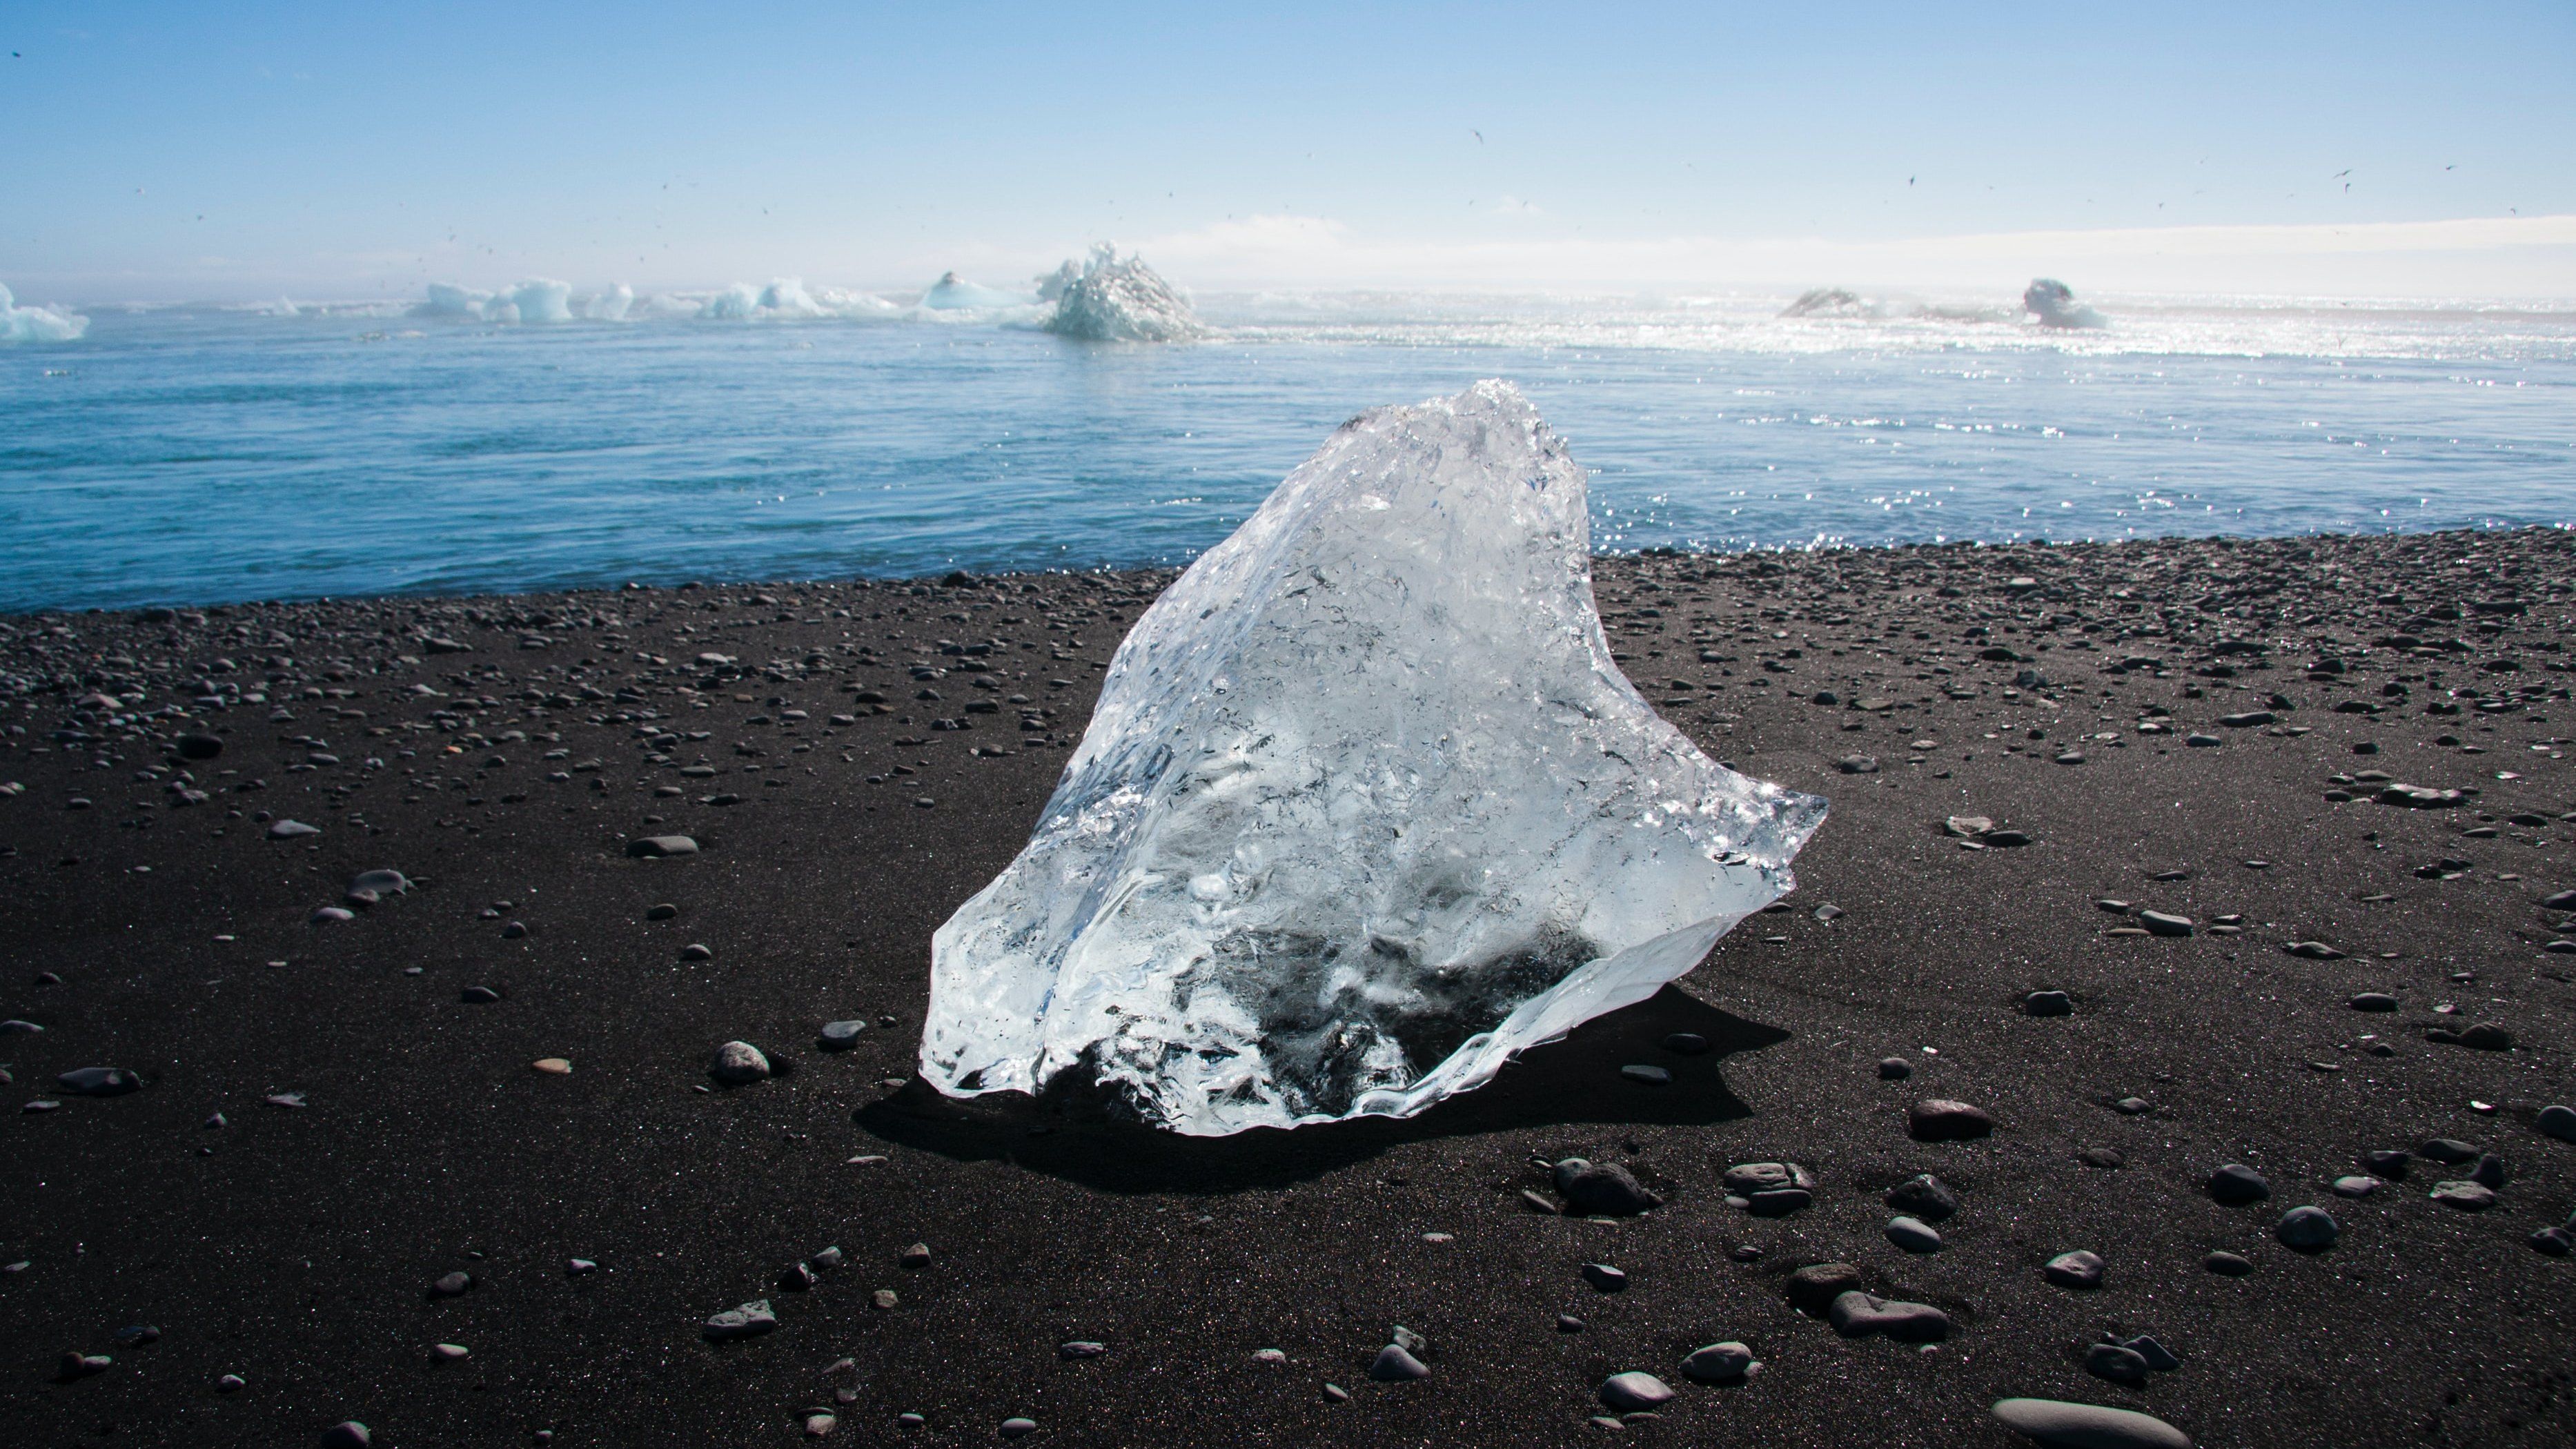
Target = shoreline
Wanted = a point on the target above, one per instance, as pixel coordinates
(298, 1246)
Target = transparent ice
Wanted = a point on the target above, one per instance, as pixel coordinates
(1364, 808)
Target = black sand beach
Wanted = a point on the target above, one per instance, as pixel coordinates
(379, 1131)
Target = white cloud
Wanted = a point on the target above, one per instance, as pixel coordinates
(2468, 256)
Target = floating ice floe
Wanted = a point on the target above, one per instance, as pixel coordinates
(2053, 302)
(532, 301)
(786, 299)
(37, 324)
(1108, 299)
(1364, 808)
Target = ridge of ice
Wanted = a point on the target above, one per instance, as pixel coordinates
(1365, 808)
(953, 293)
(1109, 299)
(37, 324)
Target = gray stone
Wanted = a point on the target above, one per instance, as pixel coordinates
(2557, 1121)
(1081, 1348)
(451, 1285)
(2489, 1172)
(2048, 1003)
(1924, 1196)
(2119, 1365)
(652, 847)
(2307, 1229)
(99, 1081)
(749, 1321)
(347, 1434)
(1813, 1289)
(2236, 1185)
(2373, 1001)
(292, 830)
(1913, 1235)
(2062, 1425)
(1938, 1119)
(2355, 1186)
(2468, 1197)
(2159, 1358)
(1635, 1393)
(738, 1062)
(1747, 1178)
(1648, 1073)
(2448, 1150)
(840, 1036)
(1894, 1069)
(2159, 923)
(1017, 1425)
(1604, 1278)
(2228, 1265)
(1857, 1315)
(1719, 1363)
(2078, 1269)
(1602, 1189)
(1394, 1366)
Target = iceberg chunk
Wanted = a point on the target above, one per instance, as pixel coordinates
(1109, 299)
(953, 293)
(2054, 304)
(1364, 808)
(37, 324)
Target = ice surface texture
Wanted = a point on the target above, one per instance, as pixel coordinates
(1364, 808)
(1107, 299)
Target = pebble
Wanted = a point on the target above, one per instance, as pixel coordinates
(553, 1066)
(2355, 1186)
(654, 847)
(739, 1062)
(1602, 1189)
(1652, 1076)
(1924, 1196)
(2111, 1158)
(2048, 1003)
(1014, 1427)
(2373, 1001)
(1813, 1289)
(1938, 1119)
(1686, 1043)
(478, 996)
(451, 1285)
(1568, 1323)
(1093, 1348)
(1271, 1357)
(840, 1036)
(1604, 1278)
(99, 1081)
(1894, 1069)
(1394, 1366)
(2307, 1229)
(749, 1321)
(2118, 1364)
(916, 1256)
(2557, 1121)
(2228, 1265)
(1857, 1315)
(579, 1266)
(663, 912)
(1913, 1235)
(884, 1299)
(2468, 1197)
(2062, 1425)
(450, 1352)
(1719, 1363)
(818, 1425)
(2489, 1172)
(2556, 1242)
(231, 1383)
(82, 1365)
(2159, 923)
(1635, 1393)
(2236, 1185)
(2390, 1166)
(697, 951)
(2160, 1359)
(348, 1434)
(2078, 1269)
(292, 830)
(2447, 1150)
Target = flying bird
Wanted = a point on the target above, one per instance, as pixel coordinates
(1479, 135)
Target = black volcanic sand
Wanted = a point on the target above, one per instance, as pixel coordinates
(502, 752)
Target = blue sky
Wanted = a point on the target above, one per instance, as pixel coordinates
(194, 151)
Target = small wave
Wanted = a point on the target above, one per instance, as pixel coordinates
(37, 324)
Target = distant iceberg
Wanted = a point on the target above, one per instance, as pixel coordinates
(534, 300)
(2055, 305)
(953, 293)
(1831, 302)
(1107, 299)
(37, 324)
(785, 298)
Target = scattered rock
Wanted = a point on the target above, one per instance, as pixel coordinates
(1602, 1189)
(2228, 1265)
(348, 1434)
(99, 1082)
(1635, 1393)
(1938, 1119)
(1913, 1235)
(840, 1036)
(749, 1321)
(1857, 1315)
(2118, 1364)
(1604, 1278)
(2062, 1425)
(2557, 1121)
(654, 847)
(1812, 1290)
(2307, 1229)
(2237, 1185)
(2158, 923)
(739, 1062)
(2074, 1270)
(1394, 1366)
(2373, 1001)
(1719, 1363)
(2048, 1003)
(1894, 1069)
(1924, 1196)
(2468, 1197)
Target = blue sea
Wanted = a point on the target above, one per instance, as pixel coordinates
(209, 454)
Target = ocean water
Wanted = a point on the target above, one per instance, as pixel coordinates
(213, 454)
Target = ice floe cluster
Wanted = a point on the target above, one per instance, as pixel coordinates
(37, 324)
(1109, 298)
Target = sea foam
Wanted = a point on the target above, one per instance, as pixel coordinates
(37, 324)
